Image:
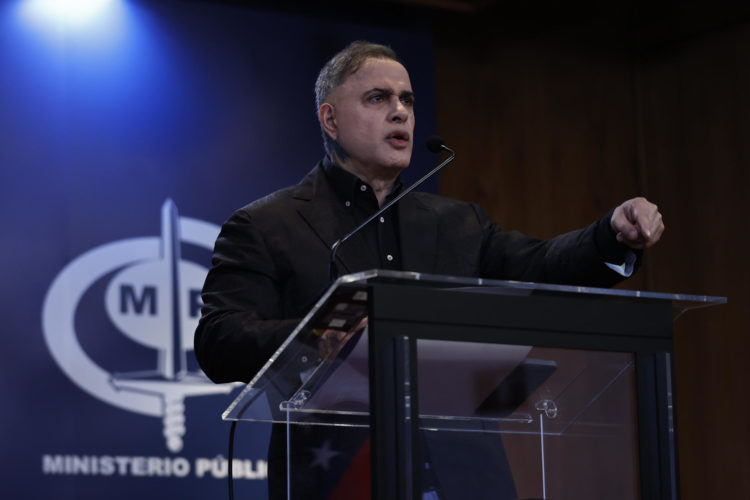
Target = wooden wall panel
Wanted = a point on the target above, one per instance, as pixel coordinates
(696, 149)
(550, 134)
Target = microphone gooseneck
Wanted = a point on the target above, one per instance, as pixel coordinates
(434, 144)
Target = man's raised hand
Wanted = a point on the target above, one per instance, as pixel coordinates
(638, 223)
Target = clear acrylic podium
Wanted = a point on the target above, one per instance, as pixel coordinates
(566, 390)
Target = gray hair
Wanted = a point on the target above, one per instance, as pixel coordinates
(336, 70)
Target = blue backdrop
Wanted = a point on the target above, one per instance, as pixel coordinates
(128, 133)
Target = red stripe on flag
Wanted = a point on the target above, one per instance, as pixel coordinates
(355, 483)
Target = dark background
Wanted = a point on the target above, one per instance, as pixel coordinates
(561, 111)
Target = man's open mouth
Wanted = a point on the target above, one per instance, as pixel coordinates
(398, 138)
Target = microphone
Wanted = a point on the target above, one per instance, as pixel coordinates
(435, 144)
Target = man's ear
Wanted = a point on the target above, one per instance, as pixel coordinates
(327, 119)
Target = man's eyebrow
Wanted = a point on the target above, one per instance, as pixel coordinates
(405, 93)
(380, 91)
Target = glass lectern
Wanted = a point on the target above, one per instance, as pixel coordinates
(567, 392)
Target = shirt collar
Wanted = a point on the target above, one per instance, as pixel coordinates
(347, 186)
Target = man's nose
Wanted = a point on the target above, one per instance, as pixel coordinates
(399, 113)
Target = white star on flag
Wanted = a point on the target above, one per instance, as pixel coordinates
(323, 455)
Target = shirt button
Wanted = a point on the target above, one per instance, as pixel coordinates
(348, 203)
(382, 219)
(363, 188)
(389, 257)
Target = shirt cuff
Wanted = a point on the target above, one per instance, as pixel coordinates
(626, 268)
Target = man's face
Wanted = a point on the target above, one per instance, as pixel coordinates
(373, 118)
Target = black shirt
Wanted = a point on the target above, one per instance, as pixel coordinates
(381, 235)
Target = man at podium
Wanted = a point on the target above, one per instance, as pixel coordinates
(270, 262)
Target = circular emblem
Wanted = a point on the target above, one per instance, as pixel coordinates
(152, 300)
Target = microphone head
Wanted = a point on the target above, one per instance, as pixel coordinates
(435, 143)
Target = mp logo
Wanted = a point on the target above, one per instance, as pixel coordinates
(152, 299)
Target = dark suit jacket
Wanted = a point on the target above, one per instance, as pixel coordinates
(270, 263)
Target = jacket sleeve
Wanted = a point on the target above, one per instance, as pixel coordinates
(240, 328)
(574, 258)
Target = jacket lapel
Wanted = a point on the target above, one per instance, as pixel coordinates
(329, 220)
